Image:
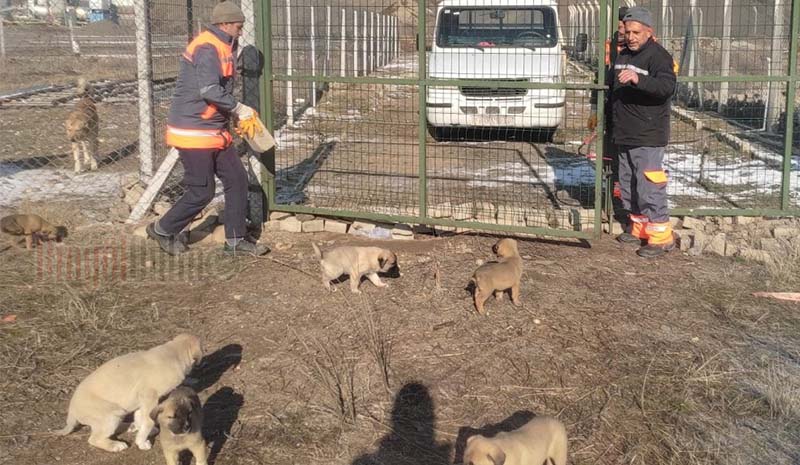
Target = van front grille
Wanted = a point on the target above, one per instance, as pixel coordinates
(489, 92)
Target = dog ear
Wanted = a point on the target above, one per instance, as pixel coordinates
(381, 261)
(498, 457)
(156, 412)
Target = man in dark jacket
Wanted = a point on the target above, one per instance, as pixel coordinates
(197, 126)
(642, 87)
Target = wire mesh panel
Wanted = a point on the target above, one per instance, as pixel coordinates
(68, 103)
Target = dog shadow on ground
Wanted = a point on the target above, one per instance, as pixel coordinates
(511, 423)
(219, 415)
(213, 365)
(411, 440)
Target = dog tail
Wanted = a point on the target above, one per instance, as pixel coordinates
(317, 252)
(72, 423)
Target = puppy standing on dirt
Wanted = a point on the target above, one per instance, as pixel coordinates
(355, 262)
(180, 419)
(130, 383)
(495, 277)
(83, 128)
(33, 227)
(541, 441)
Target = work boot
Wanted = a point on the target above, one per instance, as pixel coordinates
(655, 250)
(245, 247)
(628, 238)
(169, 244)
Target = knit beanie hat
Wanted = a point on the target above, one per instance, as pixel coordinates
(226, 12)
(640, 15)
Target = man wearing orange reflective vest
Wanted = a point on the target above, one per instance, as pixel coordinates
(197, 126)
(641, 90)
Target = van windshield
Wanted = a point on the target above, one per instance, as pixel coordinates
(483, 27)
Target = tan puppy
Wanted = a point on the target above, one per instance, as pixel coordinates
(355, 262)
(495, 277)
(33, 227)
(83, 128)
(180, 419)
(130, 383)
(541, 441)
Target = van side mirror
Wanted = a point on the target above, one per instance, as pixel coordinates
(581, 42)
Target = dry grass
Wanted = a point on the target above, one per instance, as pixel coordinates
(784, 268)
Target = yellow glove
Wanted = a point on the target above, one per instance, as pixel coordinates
(592, 122)
(249, 127)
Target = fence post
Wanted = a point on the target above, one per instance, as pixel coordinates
(2, 38)
(343, 48)
(664, 19)
(372, 41)
(144, 75)
(788, 144)
(264, 38)
(355, 43)
(422, 75)
(364, 43)
(313, 59)
(327, 44)
(726, 54)
(189, 21)
(289, 53)
(778, 63)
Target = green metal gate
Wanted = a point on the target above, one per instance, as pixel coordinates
(358, 143)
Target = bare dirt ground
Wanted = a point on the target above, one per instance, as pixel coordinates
(645, 362)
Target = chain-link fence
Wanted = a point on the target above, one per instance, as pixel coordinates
(487, 126)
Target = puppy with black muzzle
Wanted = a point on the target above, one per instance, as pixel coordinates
(180, 420)
(541, 441)
(356, 262)
(497, 277)
(33, 227)
(130, 383)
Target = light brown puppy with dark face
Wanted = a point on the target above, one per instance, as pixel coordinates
(33, 227)
(83, 128)
(542, 441)
(495, 277)
(356, 262)
(130, 383)
(180, 421)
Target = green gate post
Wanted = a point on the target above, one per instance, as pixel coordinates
(786, 179)
(601, 123)
(264, 40)
(423, 117)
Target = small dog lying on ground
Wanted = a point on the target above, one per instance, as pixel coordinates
(356, 262)
(541, 441)
(83, 128)
(180, 420)
(130, 383)
(33, 227)
(495, 277)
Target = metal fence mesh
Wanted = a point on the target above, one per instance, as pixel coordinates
(351, 138)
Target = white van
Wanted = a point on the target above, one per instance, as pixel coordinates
(498, 40)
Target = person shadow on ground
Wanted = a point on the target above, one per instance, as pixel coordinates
(412, 438)
(511, 423)
(219, 415)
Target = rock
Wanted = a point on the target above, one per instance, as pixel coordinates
(280, 246)
(402, 237)
(140, 231)
(536, 219)
(277, 216)
(510, 216)
(485, 212)
(690, 222)
(401, 229)
(272, 226)
(315, 225)
(303, 217)
(360, 228)
(676, 222)
(685, 240)
(717, 244)
(770, 245)
(742, 220)
(291, 224)
(334, 226)
(699, 243)
(784, 232)
(217, 237)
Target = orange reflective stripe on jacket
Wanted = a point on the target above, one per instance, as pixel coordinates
(224, 51)
(198, 138)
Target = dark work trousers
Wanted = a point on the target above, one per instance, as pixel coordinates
(640, 195)
(199, 168)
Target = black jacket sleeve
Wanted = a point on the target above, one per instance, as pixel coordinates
(660, 82)
(207, 67)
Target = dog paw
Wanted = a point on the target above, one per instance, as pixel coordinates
(144, 445)
(117, 446)
(382, 285)
(133, 428)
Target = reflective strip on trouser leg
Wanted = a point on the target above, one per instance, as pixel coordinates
(651, 182)
(638, 226)
(659, 233)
